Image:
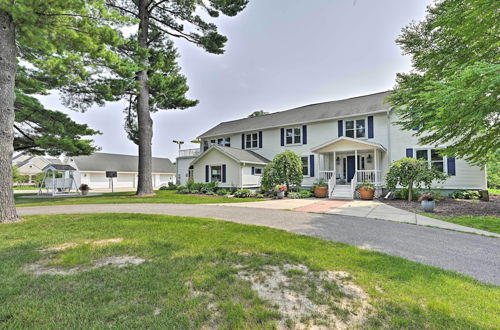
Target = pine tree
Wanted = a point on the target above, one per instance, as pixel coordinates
(157, 85)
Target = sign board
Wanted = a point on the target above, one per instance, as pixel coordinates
(111, 174)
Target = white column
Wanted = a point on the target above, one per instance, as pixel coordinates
(335, 162)
(375, 159)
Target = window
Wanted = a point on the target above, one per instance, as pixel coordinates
(205, 145)
(215, 173)
(258, 171)
(355, 128)
(227, 142)
(432, 157)
(252, 141)
(305, 165)
(293, 135)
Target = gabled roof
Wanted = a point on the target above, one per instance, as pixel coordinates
(101, 161)
(238, 155)
(355, 106)
(59, 167)
(348, 139)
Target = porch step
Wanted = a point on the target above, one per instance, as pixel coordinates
(342, 192)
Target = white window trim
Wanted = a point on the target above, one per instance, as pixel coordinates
(210, 169)
(308, 175)
(429, 161)
(258, 141)
(293, 136)
(354, 120)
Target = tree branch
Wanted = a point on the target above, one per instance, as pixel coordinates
(123, 9)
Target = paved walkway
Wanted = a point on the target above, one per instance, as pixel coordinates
(472, 255)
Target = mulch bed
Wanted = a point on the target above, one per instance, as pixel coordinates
(449, 207)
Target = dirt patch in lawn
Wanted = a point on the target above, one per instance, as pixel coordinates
(43, 267)
(449, 207)
(71, 245)
(307, 299)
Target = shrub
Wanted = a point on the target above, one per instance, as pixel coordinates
(222, 192)
(208, 187)
(320, 183)
(293, 195)
(465, 194)
(260, 196)
(403, 194)
(170, 186)
(243, 193)
(184, 191)
(84, 187)
(210, 193)
(305, 193)
(284, 169)
(412, 173)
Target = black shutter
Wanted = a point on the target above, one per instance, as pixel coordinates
(223, 172)
(451, 166)
(253, 170)
(370, 127)
(304, 134)
(341, 127)
(282, 137)
(260, 139)
(207, 173)
(311, 165)
(242, 141)
(409, 152)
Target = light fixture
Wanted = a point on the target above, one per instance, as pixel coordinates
(337, 161)
(369, 159)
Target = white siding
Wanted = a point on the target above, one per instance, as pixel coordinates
(216, 158)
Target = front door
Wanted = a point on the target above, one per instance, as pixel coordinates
(351, 167)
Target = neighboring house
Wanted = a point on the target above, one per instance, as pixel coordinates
(30, 166)
(92, 169)
(343, 142)
(183, 164)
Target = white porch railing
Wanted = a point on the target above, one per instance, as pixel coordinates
(371, 176)
(354, 184)
(330, 178)
(189, 152)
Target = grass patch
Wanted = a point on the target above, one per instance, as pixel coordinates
(162, 196)
(491, 224)
(189, 279)
(25, 188)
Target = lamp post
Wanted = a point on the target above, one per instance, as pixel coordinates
(177, 176)
(179, 143)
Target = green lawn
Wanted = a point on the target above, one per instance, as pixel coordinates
(25, 188)
(162, 196)
(189, 255)
(491, 224)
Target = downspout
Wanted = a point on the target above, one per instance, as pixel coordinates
(389, 137)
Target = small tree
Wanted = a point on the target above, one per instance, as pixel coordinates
(258, 113)
(16, 175)
(285, 168)
(412, 173)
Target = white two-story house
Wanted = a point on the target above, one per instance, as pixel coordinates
(343, 142)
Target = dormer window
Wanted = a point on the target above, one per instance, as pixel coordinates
(355, 128)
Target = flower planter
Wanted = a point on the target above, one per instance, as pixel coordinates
(85, 192)
(320, 192)
(280, 194)
(366, 194)
(428, 206)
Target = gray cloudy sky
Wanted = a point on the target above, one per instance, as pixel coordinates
(281, 54)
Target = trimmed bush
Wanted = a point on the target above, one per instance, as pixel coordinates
(243, 193)
(465, 194)
(222, 192)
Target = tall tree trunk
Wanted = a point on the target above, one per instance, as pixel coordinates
(145, 123)
(7, 97)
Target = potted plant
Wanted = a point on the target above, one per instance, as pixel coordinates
(320, 189)
(84, 188)
(280, 191)
(428, 202)
(366, 190)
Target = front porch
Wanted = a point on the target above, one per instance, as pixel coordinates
(346, 162)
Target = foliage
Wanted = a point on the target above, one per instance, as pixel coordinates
(84, 187)
(493, 170)
(426, 197)
(366, 186)
(16, 175)
(244, 193)
(258, 113)
(280, 188)
(41, 131)
(202, 188)
(465, 194)
(284, 169)
(222, 192)
(320, 183)
(403, 194)
(452, 93)
(412, 173)
(169, 187)
(300, 194)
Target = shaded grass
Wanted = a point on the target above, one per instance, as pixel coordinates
(162, 196)
(494, 191)
(25, 188)
(491, 224)
(203, 252)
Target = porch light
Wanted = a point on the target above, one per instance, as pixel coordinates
(369, 159)
(337, 161)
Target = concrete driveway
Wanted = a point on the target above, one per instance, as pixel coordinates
(473, 255)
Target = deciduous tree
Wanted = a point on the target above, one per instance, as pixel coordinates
(453, 93)
(285, 168)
